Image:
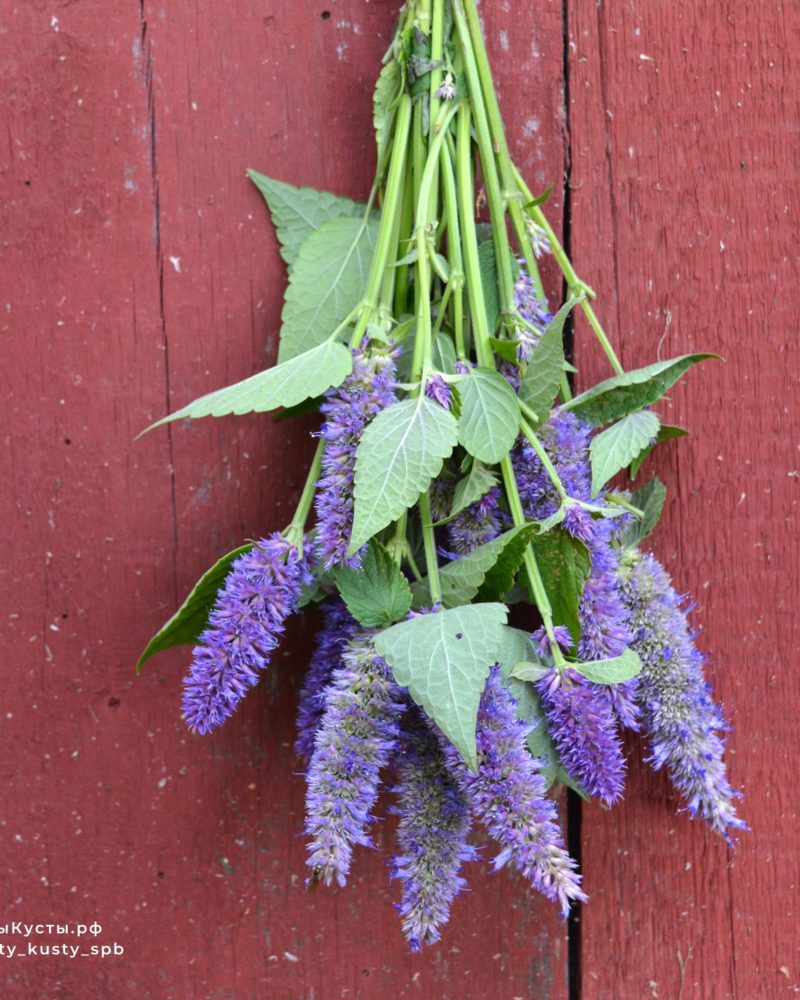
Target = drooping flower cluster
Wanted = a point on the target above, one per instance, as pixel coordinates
(509, 795)
(477, 524)
(338, 627)
(356, 737)
(435, 820)
(681, 719)
(259, 593)
(583, 727)
(347, 410)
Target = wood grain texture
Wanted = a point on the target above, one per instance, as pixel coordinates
(140, 271)
(684, 172)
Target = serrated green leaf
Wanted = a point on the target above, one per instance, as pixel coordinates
(650, 501)
(300, 378)
(489, 422)
(190, 619)
(488, 571)
(377, 594)
(328, 281)
(619, 444)
(444, 659)
(384, 102)
(468, 491)
(299, 212)
(506, 349)
(623, 394)
(400, 452)
(564, 564)
(542, 378)
(611, 671)
(666, 432)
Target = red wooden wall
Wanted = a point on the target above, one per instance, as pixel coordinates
(139, 270)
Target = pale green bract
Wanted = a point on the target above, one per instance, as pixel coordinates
(288, 384)
(618, 445)
(444, 659)
(611, 671)
(400, 452)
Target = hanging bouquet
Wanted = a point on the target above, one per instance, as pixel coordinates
(456, 476)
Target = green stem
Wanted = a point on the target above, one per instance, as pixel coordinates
(574, 284)
(505, 277)
(391, 206)
(404, 243)
(295, 531)
(531, 566)
(454, 249)
(431, 559)
(511, 195)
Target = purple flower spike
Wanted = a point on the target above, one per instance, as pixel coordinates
(583, 727)
(478, 524)
(259, 593)
(534, 311)
(431, 836)
(355, 739)
(438, 390)
(509, 795)
(679, 715)
(348, 409)
(338, 627)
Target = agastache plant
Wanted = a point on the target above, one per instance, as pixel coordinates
(455, 474)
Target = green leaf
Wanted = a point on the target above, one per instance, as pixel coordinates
(631, 391)
(328, 281)
(384, 103)
(611, 671)
(489, 422)
(378, 594)
(488, 571)
(444, 354)
(191, 618)
(299, 212)
(468, 491)
(541, 199)
(667, 432)
(506, 349)
(532, 672)
(444, 659)
(650, 500)
(303, 377)
(619, 444)
(400, 452)
(543, 373)
(565, 565)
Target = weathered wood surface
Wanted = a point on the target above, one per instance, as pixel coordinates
(683, 125)
(140, 270)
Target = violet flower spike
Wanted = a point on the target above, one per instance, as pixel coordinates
(439, 391)
(259, 593)
(583, 727)
(510, 796)
(681, 719)
(348, 409)
(356, 737)
(478, 524)
(431, 835)
(338, 626)
(533, 310)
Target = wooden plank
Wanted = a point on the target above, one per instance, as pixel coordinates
(142, 272)
(683, 139)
